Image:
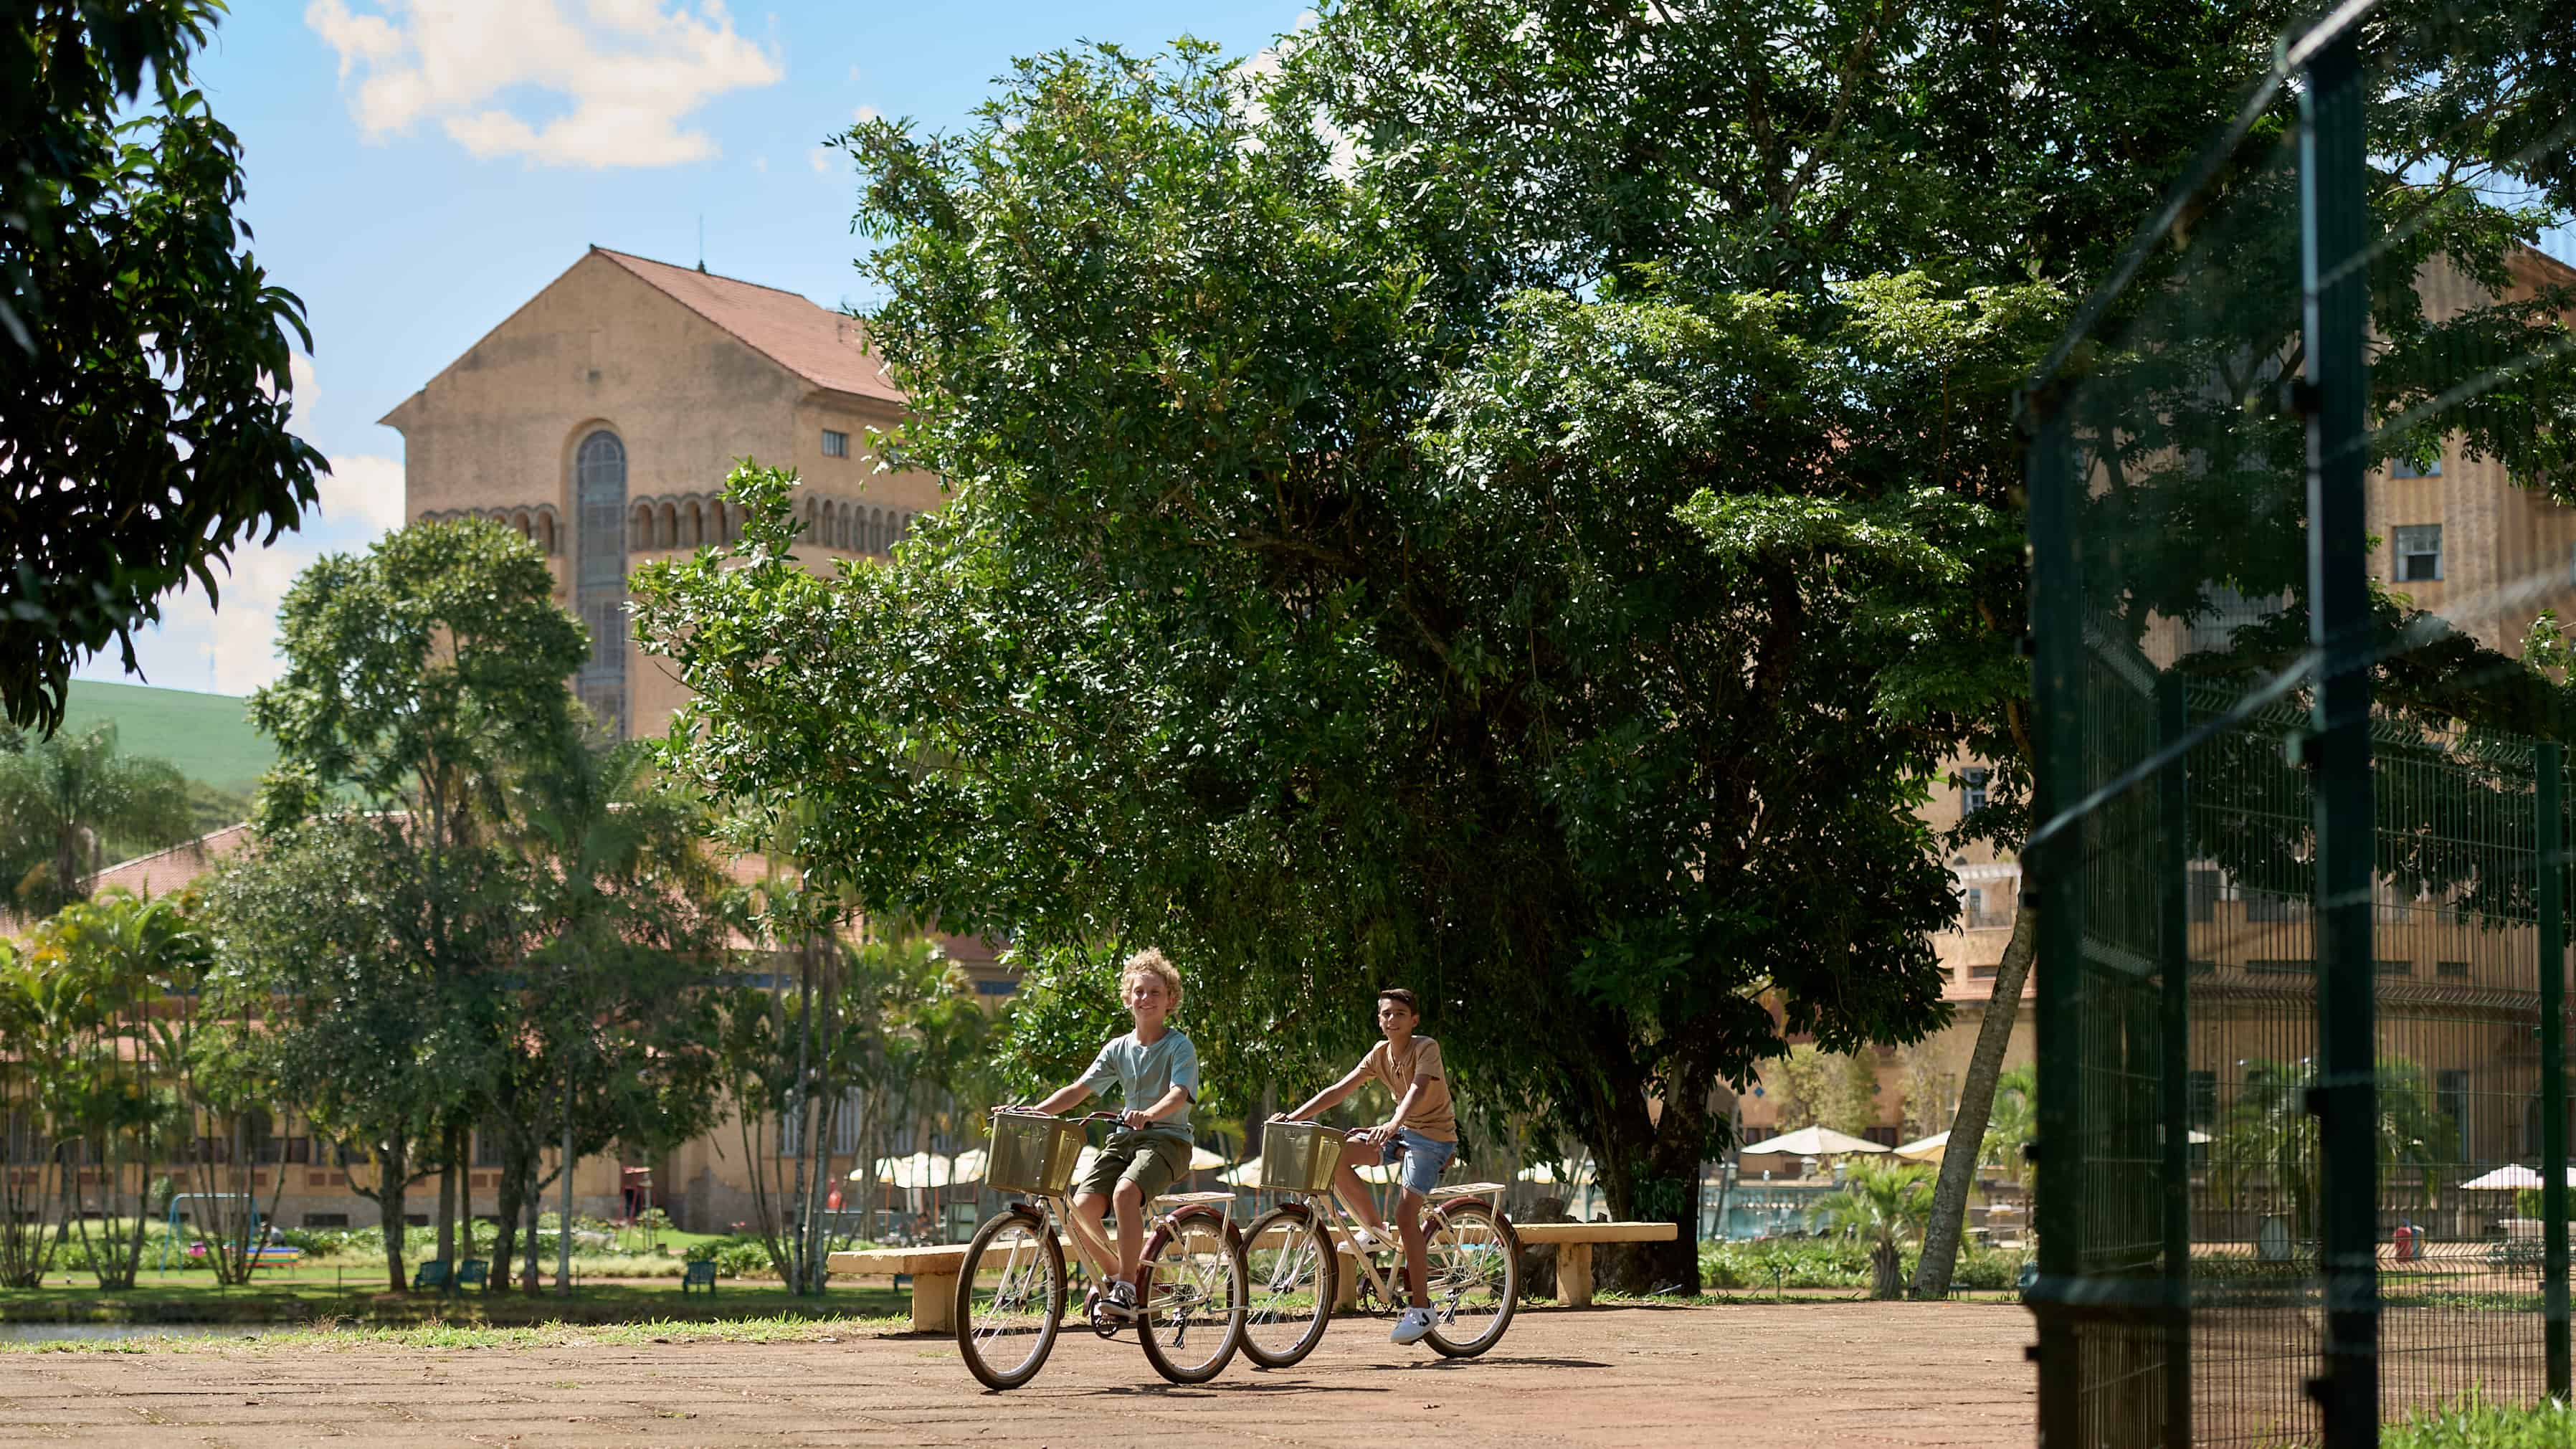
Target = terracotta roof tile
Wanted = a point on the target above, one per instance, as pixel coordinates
(819, 345)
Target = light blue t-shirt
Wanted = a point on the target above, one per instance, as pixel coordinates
(1144, 1073)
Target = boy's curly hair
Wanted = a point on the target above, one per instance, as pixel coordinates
(1151, 962)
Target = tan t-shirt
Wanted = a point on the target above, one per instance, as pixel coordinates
(1432, 1114)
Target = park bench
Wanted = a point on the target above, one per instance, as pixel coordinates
(699, 1274)
(437, 1273)
(1574, 1243)
(934, 1270)
(472, 1273)
(276, 1257)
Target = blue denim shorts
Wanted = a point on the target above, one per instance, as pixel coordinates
(1422, 1158)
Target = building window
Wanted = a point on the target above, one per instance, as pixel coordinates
(2451, 1094)
(2200, 887)
(2458, 970)
(2201, 1087)
(326, 1220)
(835, 444)
(1972, 789)
(2419, 553)
(2407, 468)
(599, 588)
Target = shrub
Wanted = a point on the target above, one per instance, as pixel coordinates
(741, 1257)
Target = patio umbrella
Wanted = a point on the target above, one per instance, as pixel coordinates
(1924, 1149)
(969, 1166)
(1246, 1173)
(1202, 1160)
(2511, 1176)
(921, 1169)
(1812, 1142)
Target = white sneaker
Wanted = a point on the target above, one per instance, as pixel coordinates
(1412, 1327)
(1365, 1242)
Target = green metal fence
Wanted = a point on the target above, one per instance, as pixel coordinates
(2301, 859)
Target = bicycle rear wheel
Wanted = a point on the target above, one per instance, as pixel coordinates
(1289, 1258)
(1189, 1319)
(1474, 1277)
(1010, 1294)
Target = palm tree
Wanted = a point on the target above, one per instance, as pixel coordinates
(1886, 1204)
(2268, 1138)
(65, 800)
(2014, 1120)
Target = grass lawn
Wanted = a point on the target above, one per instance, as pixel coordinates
(356, 1292)
(208, 736)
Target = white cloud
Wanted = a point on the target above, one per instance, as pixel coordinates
(594, 83)
(820, 158)
(865, 114)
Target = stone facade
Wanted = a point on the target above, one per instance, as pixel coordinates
(602, 416)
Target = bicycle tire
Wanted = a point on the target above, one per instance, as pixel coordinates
(1194, 1231)
(1473, 1251)
(973, 1344)
(1295, 1221)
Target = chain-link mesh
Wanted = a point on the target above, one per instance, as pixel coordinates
(2290, 491)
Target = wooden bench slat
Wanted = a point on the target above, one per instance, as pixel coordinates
(1597, 1232)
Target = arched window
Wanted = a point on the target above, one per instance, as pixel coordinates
(670, 533)
(642, 536)
(841, 529)
(695, 525)
(599, 492)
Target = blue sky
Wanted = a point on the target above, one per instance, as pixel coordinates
(418, 168)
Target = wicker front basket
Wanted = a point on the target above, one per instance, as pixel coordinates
(1299, 1156)
(1033, 1152)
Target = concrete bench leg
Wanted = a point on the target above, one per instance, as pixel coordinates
(934, 1302)
(1346, 1289)
(1574, 1275)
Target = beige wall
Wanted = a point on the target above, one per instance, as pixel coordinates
(601, 348)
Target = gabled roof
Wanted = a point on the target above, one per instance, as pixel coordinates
(819, 345)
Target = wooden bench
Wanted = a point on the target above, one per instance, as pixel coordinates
(934, 1278)
(1574, 1243)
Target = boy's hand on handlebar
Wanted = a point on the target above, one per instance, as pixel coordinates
(1136, 1121)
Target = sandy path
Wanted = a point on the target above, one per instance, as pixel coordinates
(1839, 1373)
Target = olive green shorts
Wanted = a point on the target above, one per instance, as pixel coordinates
(1151, 1161)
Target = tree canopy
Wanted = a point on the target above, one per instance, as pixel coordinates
(143, 351)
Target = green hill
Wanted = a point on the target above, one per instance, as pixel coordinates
(207, 736)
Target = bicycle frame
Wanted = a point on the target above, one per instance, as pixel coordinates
(1388, 1285)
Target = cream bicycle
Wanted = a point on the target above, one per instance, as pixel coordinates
(1293, 1254)
(1011, 1302)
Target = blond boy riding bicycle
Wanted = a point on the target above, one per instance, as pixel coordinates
(1422, 1133)
(1156, 1070)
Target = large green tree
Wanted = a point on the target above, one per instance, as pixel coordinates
(1353, 644)
(143, 352)
(613, 1041)
(419, 677)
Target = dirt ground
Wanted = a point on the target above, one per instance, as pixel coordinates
(1755, 1374)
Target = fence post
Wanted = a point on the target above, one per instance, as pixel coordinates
(2053, 862)
(2334, 275)
(2547, 834)
(2173, 1042)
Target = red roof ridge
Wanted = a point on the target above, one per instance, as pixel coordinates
(780, 325)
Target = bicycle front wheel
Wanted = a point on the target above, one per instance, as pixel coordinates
(1289, 1258)
(1474, 1277)
(1189, 1319)
(1010, 1294)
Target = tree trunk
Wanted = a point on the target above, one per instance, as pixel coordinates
(1976, 1107)
(447, 1196)
(1888, 1278)
(1650, 1171)
(505, 1233)
(396, 1176)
